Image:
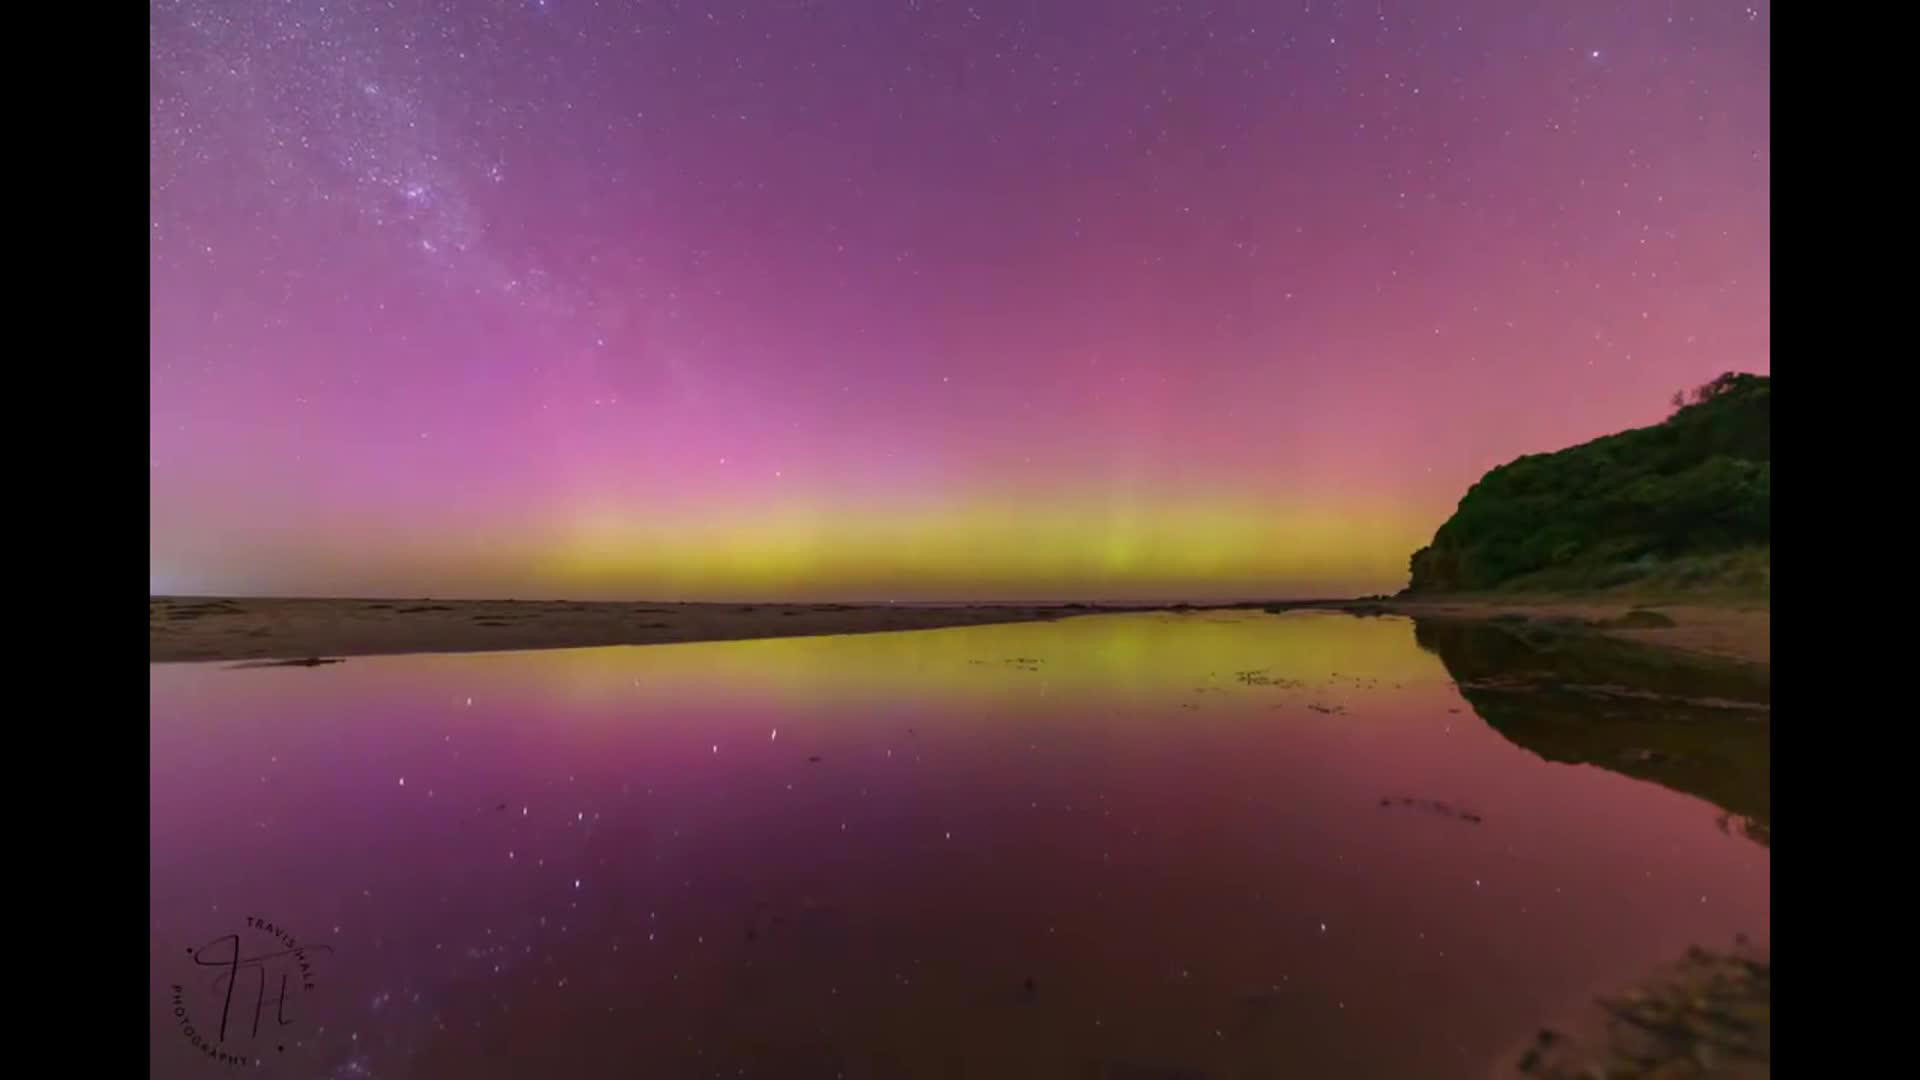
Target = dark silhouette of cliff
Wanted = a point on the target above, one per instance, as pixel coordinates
(1696, 725)
(1686, 502)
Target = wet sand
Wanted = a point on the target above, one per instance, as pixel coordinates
(1709, 1015)
(1731, 631)
(209, 628)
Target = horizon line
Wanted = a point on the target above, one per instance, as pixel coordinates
(1104, 602)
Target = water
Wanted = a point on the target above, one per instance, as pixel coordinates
(1086, 848)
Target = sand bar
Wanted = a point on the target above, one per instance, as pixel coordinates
(1734, 631)
(253, 628)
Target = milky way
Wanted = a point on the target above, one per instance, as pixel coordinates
(918, 299)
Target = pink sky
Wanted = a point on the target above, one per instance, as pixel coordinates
(1079, 300)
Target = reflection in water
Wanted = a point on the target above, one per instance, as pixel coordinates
(1134, 845)
(1695, 725)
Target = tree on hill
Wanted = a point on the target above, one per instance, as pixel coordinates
(1722, 384)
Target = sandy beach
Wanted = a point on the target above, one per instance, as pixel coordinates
(1733, 631)
(208, 628)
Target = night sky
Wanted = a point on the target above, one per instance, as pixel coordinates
(918, 299)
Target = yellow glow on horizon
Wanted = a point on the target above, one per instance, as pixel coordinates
(1023, 547)
(981, 550)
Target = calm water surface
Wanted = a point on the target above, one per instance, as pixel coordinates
(1090, 848)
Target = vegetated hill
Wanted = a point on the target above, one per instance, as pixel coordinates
(1683, 503)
